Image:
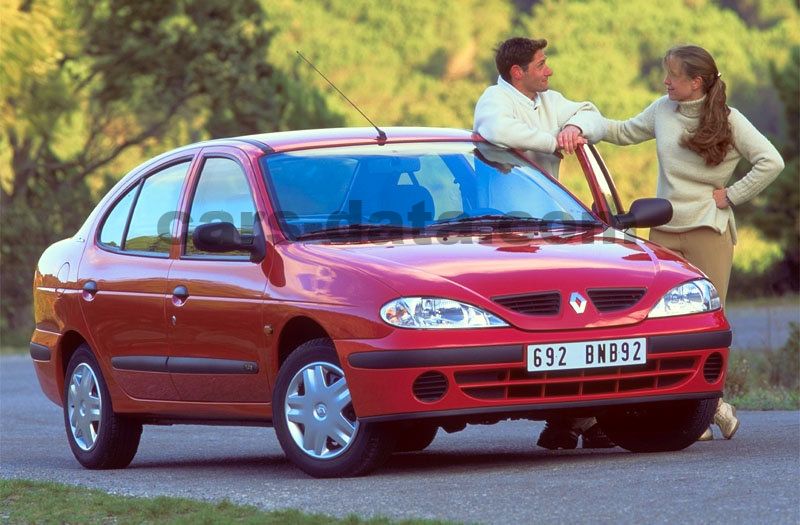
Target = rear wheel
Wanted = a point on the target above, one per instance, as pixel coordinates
(658, 427)
(99, 438)
(414, 436)
(314, 418)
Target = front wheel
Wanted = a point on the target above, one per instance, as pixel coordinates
(99, 438)
(314, 418)
(658, 427)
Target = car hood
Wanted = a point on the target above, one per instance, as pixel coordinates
(479, 270)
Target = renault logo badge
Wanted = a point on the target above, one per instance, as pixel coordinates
(577, 302)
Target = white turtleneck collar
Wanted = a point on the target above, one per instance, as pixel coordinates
(692, 108)
(517, 93)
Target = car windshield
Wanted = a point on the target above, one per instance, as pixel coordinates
(420, 187)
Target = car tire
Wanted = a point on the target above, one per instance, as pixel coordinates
(321, 434)
(99, 438)
(658, 427)
(414, 436)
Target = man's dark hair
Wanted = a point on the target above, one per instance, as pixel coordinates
(517, 51)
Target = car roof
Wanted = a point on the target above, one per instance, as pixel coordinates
(317, 138)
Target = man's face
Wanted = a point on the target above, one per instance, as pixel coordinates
(533, 79)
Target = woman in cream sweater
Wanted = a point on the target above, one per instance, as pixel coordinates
(699, 141)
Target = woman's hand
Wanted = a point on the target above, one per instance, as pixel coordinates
(721, 198)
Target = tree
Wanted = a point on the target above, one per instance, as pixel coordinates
(776, 212)
(403, 63)
(113, 82)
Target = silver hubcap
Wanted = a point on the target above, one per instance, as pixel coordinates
(83, 406)
(319, 412)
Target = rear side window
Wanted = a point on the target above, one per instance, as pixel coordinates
(156, 208)
(222, 195)
(114, 225)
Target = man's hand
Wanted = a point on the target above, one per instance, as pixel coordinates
(721, 198)
(569, 139)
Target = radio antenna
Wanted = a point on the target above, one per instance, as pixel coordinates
(381, 135)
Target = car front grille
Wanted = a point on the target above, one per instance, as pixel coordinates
(539, 303)
(613, 299)
(549, 303)
(517, 383)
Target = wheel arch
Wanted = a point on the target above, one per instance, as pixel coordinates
(297, 331)
(67, 346)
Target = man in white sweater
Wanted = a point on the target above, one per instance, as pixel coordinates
(520, 111)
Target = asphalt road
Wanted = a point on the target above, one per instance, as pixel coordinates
(487, 474)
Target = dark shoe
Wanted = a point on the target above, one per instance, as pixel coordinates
(596, 438)
(558, 435)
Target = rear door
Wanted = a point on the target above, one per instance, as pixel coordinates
(215, 300)
(124, 278)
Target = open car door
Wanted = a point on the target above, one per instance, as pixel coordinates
(643, 213)
(607, 203)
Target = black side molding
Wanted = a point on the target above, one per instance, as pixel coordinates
(39, 352)
(696, 341)
(203, 365)
(184, 365)
(477, 355)
(140, 363)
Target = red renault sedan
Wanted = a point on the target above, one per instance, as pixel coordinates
(359, 293)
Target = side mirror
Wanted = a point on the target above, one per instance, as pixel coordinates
(646, 213)
(220, 237)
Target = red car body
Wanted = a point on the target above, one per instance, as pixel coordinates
(214, 354)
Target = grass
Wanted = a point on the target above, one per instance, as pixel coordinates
(23, 501)
(767, 380)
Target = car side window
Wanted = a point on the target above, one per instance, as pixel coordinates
(222, 195)
(156, 208)
(114, 225)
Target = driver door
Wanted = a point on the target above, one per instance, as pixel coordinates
(607, 203)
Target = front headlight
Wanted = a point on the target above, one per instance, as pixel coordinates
(688, 298)
(436, 313)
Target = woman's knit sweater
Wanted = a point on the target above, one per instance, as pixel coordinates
(683, 176)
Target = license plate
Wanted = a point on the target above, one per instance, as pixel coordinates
(587, 354)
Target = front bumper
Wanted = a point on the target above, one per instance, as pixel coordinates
(471, 378)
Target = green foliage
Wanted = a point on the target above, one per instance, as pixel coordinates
(757, 265)
(114, 82)
(761, 13)
(766, 380)
(737, 383)
(409, 63)
(776, 212)
(767, 399)
(92, 88)
(784, 369)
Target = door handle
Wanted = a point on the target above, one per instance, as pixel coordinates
(89, 290)
(181, 292)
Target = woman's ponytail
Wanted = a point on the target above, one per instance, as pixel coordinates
(713, 137)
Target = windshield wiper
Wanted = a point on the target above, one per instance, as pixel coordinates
(505, 221)
(371, 231)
